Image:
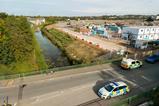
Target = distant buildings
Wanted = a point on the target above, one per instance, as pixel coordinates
(94, 30)
(157, 17)
(140, 36)
(36, 21)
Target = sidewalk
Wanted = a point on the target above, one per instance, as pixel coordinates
(53, 75)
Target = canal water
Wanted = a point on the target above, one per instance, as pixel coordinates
(53, 55)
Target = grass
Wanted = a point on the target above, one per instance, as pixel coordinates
(34, 63)
(39, 58)
(78, 52)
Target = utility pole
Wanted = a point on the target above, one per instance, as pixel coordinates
(20, 91)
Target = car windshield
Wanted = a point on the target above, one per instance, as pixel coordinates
(109, 88)
(124, 62)
(154, 56)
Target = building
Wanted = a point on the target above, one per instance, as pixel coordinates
(36, 21)
(157, 17)
(140, 36)
(99, 30)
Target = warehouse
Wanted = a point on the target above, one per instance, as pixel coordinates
(140, 36)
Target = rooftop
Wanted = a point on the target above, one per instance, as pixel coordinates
(137, 27)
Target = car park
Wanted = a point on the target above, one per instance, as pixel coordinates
(131, 63)
(113, 89)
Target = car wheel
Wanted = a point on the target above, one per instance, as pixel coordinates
(125, 93)
(140, 66)
(108, 97)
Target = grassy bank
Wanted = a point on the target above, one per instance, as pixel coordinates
(78, 52)
(39, 58)
(34, 62)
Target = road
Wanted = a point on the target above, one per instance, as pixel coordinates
(81, 88)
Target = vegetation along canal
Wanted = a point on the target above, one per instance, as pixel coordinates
(53, 55)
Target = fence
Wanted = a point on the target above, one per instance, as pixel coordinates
(5, 77)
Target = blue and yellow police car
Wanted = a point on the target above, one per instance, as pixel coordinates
(113, 89)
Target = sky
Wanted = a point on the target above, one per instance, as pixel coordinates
(79, 7)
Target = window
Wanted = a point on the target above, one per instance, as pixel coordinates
(109, 88)
(116, 89)
(122, 87)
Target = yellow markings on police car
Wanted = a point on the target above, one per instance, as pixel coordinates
(127, 89)
(121, 91)
(114, 93)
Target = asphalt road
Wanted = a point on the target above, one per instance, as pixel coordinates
(78, 89)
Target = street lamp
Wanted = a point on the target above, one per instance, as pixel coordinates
(20, 93)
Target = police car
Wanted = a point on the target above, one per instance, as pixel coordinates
(130, 63)
(113, 89)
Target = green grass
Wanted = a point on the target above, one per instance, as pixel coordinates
(40, 60)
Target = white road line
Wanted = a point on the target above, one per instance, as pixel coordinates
(58, 93)
(146, 78)
(116, 74)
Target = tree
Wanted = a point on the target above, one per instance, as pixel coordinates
(3, 15)
(16, 39)
(150, 21)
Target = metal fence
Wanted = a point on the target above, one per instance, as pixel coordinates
(53, 70)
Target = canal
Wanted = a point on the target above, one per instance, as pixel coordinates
(53, 55)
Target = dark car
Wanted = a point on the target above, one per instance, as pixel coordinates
(153, 58)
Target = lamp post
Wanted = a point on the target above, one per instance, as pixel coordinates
(20, 91)
(129, 41)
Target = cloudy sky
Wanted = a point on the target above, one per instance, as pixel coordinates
(79, 7)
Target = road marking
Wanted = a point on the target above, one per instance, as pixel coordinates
(59, 93)
(116, 74)
(146, 78)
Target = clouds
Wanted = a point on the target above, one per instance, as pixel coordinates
(79, 7)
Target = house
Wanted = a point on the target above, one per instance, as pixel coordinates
(157, 17)
(140, 36)
(99, 30)
(36, 21)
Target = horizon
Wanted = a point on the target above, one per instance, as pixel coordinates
(79, 7)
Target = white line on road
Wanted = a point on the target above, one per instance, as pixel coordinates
(58, 93)
(146, 78)
(117, 75)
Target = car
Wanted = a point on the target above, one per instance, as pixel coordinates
(113, 89)
(130, 63)
(153, 59)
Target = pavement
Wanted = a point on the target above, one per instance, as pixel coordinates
(80, 87)
(41, 77)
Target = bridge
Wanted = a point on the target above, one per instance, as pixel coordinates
(79, 85)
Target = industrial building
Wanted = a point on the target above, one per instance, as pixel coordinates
(140, 36)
